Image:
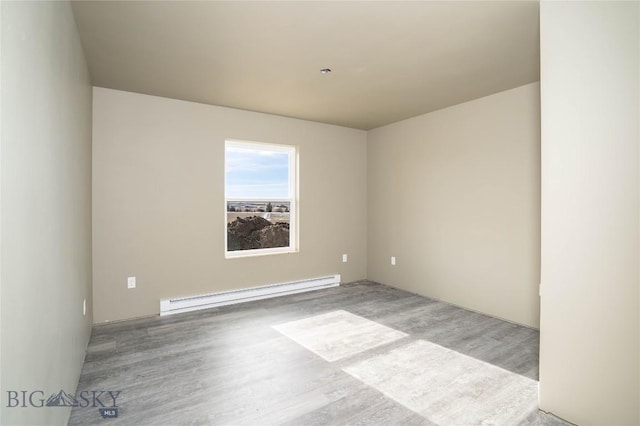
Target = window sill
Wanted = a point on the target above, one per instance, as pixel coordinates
(259, 252)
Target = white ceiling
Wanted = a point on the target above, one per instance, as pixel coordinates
(390, 60)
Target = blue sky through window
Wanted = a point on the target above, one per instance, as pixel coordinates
(256, 173)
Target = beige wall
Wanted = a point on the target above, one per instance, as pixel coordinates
(455, 196)
(158, 201)
(590, 325)
(46, 205)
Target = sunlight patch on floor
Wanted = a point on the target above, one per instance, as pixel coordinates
(339, 334)
(447, 387)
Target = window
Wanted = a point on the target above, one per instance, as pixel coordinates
(260, 198)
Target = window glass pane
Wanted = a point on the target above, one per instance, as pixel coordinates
(257, 174)
(257, 225)
(259, 210)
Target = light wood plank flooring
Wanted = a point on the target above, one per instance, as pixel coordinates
(231, 365)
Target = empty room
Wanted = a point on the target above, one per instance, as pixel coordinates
(320, 213)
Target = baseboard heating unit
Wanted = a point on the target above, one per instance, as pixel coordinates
(204, 301)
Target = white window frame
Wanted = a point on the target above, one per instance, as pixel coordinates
(293, 200)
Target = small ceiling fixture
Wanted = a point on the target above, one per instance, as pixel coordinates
(325, 70)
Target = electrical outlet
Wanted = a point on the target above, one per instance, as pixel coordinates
(344, 258)
(84, 307)
(393, 260)
(131, 282)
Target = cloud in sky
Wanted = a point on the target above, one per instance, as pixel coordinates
(256, 174)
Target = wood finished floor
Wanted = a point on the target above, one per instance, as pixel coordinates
(228, 365)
